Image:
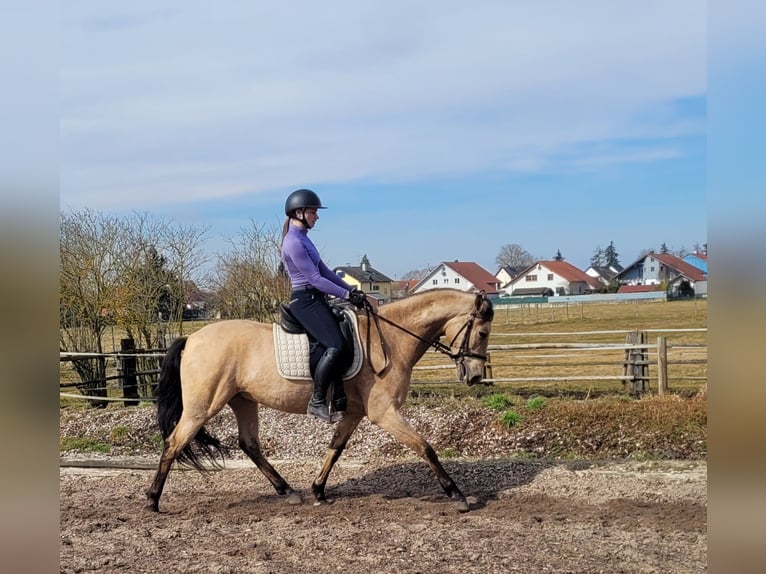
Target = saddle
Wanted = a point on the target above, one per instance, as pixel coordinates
(293, 346)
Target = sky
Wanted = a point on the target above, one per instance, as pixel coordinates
(432, 131)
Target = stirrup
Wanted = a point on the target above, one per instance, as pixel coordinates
(319, 413)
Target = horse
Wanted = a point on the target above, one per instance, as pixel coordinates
(232, 362)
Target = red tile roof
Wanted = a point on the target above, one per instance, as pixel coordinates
(476, 274)
(568, 272)
(675, 262)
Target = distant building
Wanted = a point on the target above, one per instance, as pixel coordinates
(368, 279)
(508, 273)
(461, 275)
(548, 278)
(604, 273)
(698, 259)
(679, 277)
(401, 289)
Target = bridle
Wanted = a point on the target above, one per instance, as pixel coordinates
(463, 350)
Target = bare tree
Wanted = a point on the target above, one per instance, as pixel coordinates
(122, 271)
(514, 255)
(93, 252)
(183, 246)
(416, 274)
(249, 279)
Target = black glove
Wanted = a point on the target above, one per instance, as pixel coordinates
(357, 298)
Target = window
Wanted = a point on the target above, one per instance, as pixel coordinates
(531, 278)
(651, 268)
(376, 287)
(550, 276)
(436, 282)
(446, 280)
(457, 279)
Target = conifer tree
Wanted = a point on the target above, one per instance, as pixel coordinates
(610, 255)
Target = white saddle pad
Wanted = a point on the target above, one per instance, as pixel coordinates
(292, 352)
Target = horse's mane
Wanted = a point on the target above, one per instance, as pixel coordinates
(410, 303)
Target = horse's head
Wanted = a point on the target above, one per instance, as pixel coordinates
(469, 336)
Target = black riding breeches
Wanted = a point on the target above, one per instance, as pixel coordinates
(310, 307)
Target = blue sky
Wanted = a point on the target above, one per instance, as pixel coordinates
(433, 130)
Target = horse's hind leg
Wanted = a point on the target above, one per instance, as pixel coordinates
(343, 432)
(246, 412)
(182, 435)
(402, 431)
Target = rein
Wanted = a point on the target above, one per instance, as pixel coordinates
(463, 351)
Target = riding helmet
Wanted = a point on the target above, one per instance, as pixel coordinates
(302, 198)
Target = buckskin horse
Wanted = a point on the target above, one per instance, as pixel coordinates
(233, 363)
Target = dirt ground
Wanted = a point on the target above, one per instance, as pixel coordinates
(390, 515)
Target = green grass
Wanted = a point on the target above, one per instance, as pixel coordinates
(448, 453)
(119, 433)
(510, 418)
(80, 444)
(535, 403)
(498, 401)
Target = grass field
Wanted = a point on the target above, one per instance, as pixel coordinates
(588, 323)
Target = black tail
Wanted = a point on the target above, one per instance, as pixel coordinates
(170, 406)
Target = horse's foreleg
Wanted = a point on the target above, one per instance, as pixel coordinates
(402, 431)
(246, 412)
(343, 432)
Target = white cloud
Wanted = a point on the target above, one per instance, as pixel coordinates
(219, 103)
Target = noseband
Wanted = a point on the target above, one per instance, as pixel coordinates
(458, 356)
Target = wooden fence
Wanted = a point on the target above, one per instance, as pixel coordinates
(638, 362)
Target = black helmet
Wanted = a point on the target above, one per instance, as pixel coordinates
(302, 198)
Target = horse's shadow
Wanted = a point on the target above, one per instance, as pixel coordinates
(481, 481)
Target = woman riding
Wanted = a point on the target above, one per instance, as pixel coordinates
(311, 282)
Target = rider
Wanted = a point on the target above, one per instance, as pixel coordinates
(311, 282)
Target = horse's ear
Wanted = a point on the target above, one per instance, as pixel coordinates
(479, 300)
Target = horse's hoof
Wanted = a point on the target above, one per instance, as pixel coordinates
(294, 498)
(322, 502)
(462, 506)
(151, 506)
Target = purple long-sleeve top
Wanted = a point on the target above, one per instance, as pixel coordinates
(305, 266)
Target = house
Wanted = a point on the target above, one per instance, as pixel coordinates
(368, 279)
(549, 278)
(461, 275)
(698, 259)
(508, 273)
(401, 289)
(663, 268)
(605, 274)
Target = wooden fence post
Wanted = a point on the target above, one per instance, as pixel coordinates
(662, 365)
(488, 374)
(636, 363)
(129, 380)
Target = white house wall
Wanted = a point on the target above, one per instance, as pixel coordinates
(503, 278)
(444, 278)
(555, 282)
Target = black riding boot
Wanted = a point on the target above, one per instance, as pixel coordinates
(323, 375)
(338, 400)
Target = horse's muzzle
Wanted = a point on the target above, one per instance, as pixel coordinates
(465, 377)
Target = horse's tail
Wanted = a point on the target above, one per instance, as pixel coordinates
(170, 406)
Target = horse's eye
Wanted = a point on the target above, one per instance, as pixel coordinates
(483, 334)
